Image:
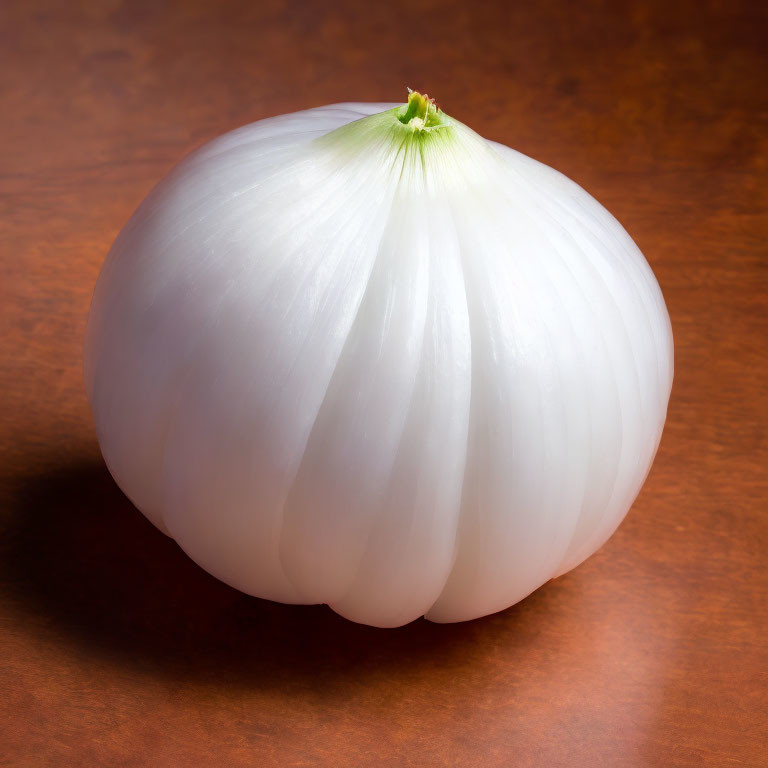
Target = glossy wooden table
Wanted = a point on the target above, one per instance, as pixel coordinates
(116, 650)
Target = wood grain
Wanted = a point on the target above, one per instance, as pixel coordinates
(116, 650)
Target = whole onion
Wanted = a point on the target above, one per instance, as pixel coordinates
(359, 355)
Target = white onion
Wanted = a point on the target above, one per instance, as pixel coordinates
(367, 358)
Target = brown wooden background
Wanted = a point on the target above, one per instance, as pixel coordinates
(116, 650)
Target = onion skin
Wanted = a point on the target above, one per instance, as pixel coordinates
(381, 363)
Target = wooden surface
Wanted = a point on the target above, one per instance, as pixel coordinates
(116, 650)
